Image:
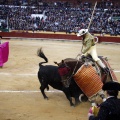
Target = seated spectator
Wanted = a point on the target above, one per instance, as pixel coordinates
(67, 15)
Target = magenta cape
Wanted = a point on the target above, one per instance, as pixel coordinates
(4, 53)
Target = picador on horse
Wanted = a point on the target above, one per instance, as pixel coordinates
(89, 48)
(89, 71)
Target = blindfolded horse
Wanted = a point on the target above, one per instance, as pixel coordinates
(87, 74)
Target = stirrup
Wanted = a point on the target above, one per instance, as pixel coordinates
(106, 70)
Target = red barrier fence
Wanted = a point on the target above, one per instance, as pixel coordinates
(59, 36)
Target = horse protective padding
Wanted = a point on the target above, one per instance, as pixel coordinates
(4, 53)
(111, 70)
(88, 80)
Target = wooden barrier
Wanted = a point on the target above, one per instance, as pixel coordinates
(58, 36)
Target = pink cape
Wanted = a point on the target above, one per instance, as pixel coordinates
(4, 53)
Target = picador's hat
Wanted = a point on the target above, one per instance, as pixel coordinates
(111, 86)
(82, 32)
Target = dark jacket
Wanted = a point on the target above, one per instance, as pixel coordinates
(109, 110)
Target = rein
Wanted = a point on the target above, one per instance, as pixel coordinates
(72, 72)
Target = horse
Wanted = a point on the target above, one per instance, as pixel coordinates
(83, 69)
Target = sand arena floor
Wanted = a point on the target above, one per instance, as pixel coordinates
(20, 98)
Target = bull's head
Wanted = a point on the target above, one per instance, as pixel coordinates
(65, 73)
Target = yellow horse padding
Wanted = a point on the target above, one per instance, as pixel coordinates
(88, 80)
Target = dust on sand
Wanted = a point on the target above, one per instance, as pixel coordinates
(20, 98)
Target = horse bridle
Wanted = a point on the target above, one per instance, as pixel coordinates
(72, 72)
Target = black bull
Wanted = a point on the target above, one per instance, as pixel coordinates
(48, 75)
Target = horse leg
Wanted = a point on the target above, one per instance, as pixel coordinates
(93, 100)
(102, 95)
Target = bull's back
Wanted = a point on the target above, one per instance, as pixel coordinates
(49, 74)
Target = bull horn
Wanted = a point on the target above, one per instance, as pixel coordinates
(55, 62)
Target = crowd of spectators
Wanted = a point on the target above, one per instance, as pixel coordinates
(61, 16)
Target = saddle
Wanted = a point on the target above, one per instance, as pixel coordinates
(101, 72)
(89, 59)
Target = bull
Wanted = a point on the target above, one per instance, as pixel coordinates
(49, 75)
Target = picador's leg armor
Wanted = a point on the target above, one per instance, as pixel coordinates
(105, 69)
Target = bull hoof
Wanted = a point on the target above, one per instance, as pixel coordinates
(77, 103)
(46, 98)
(71, 104)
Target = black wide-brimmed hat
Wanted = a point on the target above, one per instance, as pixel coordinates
(112, 85)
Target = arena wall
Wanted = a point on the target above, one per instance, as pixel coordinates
(55, 36)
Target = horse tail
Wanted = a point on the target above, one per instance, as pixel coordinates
(42, 55)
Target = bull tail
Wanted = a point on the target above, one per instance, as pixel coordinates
(42, 55)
